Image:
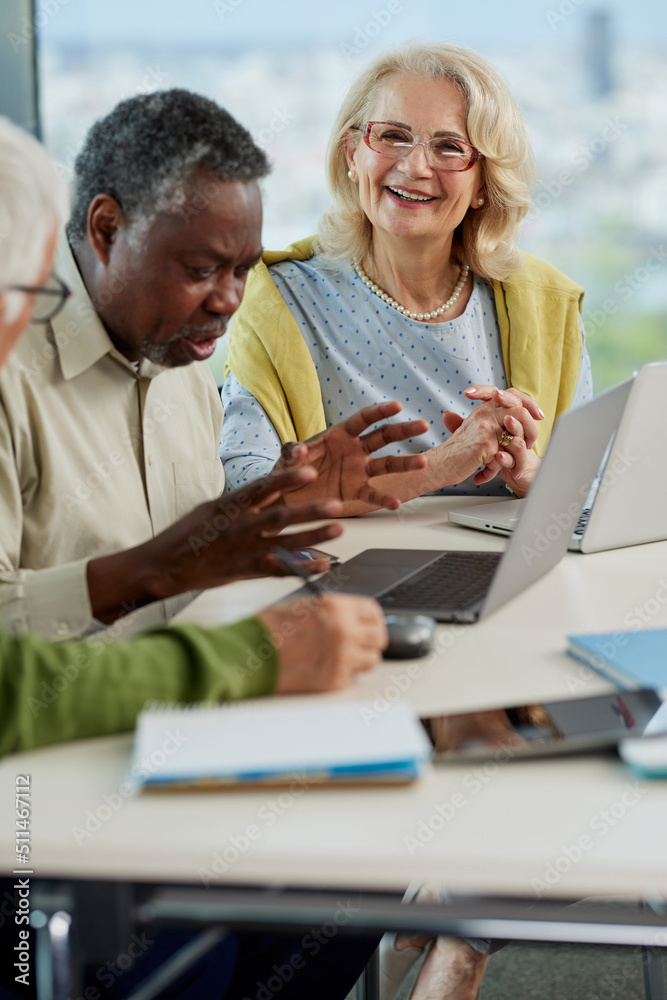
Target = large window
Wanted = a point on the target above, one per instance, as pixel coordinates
(591, 79)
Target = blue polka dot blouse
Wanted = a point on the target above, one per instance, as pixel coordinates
(366, 352)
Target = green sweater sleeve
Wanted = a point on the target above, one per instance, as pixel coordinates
(52, 692)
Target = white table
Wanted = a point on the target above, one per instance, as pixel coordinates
(517, 654)
(507, 830)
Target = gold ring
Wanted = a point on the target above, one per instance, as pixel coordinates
(505, 439)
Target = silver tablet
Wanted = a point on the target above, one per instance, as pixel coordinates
(576, 725)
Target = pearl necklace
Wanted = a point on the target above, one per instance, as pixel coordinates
(465, 270)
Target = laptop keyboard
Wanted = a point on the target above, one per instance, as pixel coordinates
(582, 522)
(455, 579)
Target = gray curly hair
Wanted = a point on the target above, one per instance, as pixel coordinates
(144, 154)
(486, 238)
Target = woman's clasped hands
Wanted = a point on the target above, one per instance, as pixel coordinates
(498, 437)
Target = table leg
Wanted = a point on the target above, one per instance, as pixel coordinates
(652, 958)
(371, 979)
(154, 984)
(654, 978)
(59, 926)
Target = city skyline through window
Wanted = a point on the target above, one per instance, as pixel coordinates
(590, 79)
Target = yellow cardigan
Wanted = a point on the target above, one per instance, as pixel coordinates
(538, 314)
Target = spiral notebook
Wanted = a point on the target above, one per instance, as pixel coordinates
(251, 744)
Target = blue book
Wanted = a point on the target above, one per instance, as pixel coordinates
(628, 659)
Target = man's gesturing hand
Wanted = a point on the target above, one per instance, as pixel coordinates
(341, 456)
(226, 539)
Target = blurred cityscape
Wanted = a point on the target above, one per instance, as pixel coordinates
(597, 111)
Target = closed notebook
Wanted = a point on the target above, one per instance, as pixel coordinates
(266, 743)
(628, 659)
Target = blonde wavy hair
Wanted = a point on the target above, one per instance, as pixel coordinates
(485, 239)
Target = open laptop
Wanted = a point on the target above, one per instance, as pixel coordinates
(626, 505)
(416, 581)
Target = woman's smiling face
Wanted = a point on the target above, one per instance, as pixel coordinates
(439, 198)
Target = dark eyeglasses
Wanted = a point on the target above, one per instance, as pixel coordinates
(49, 298)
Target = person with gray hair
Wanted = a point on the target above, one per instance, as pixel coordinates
(414, 289)
(51, 692)
(109, 418)
(112, 681)
(34, 206)
(146, 151)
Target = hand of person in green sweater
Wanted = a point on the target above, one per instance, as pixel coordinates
(51, 692)
(322, 642)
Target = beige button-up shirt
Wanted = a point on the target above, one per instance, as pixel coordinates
(95, 457)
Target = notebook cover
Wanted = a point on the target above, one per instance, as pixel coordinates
(628, 659)
(266, 743)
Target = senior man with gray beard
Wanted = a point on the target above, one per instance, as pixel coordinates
(109, 416)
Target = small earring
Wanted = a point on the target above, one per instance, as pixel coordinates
(350, 175)
(480, 201)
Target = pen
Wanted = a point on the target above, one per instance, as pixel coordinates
(292, 565)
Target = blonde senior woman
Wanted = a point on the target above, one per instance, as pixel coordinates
(413, 290)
